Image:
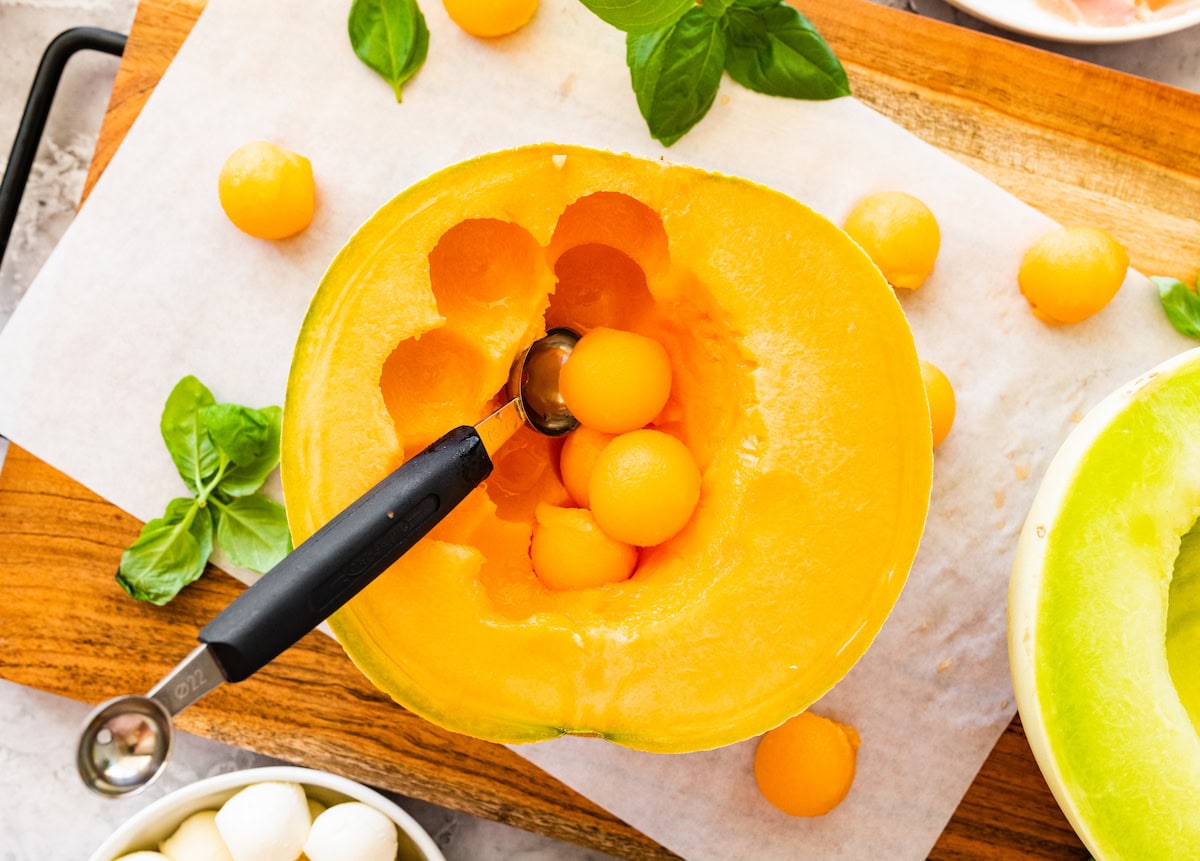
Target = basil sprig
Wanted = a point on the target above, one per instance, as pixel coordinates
(777, 51)
(391, 37)
(639, 16)
(224, 453)
(676, 51)
(675, 69)
(1181, 304)
(716, 8)
(676, 72)
(169, 553)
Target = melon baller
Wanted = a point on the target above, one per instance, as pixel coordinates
(126, 741)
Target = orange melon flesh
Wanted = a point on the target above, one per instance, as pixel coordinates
(795, 385)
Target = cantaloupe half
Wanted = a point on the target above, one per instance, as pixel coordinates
(1104, 620)
(795, 385)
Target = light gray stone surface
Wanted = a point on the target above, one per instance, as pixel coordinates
(26, 27)
(46, 814)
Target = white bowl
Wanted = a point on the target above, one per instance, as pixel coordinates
(157, 822)
(1025, 16)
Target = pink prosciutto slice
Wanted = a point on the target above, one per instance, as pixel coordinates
(1110, 13)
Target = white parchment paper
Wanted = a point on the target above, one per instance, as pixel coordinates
(152, 283)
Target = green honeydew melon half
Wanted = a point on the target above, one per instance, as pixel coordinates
(1104, 621)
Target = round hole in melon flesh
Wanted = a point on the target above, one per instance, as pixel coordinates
(431, 384)
(1104, 628)
(795, 385)
(598, 285)
(489, 278)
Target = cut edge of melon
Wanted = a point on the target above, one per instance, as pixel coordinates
(1025, 584)
(856, 644)
(349, 633)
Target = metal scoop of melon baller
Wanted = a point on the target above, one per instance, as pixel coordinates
(126, 741)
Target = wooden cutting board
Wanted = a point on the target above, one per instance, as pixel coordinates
(1082, 143)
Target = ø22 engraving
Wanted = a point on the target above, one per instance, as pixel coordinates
(187, 687)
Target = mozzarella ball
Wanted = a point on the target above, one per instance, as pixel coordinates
(265, 822)
(352, 832)
(196, 839)
(143, 856)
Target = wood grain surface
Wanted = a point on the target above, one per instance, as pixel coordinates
(1082, 143)
(66, 627)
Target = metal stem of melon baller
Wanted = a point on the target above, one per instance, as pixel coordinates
(126, 741)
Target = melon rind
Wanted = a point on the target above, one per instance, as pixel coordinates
(814, 494)
(1088, 605)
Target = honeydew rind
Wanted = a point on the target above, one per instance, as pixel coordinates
(1092, 618)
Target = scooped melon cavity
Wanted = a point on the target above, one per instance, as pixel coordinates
(1183, 624)
(792, 389)
(652, 353)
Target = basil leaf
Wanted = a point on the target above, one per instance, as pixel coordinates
(675, 73)
(245, 478)
(716, 8)
(224, 452)
(775, 50)
(1181, 304)
(240, 432)
(390, 36)
(756, 4)
(185, 435)
(202, 524)
(253, 532)
(169, 553)
(639, 16)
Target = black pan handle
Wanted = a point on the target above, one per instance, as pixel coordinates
(37, 110)
(346, 554)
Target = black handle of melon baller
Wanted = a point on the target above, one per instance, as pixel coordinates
(345, 555)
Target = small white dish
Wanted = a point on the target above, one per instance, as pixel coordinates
(1025, 16)
(153, 824)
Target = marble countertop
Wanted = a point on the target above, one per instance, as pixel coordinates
(47, 814)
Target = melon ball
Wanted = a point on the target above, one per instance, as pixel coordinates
(1070, 274)
(615, 381)
(806, 766)
(196, 839)
(265, 822)
(490, 18)
(569, 551)
(578, 457)
(352, 832)
(266, 190)
(899, 233)
(644, 487)
(942, 406)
